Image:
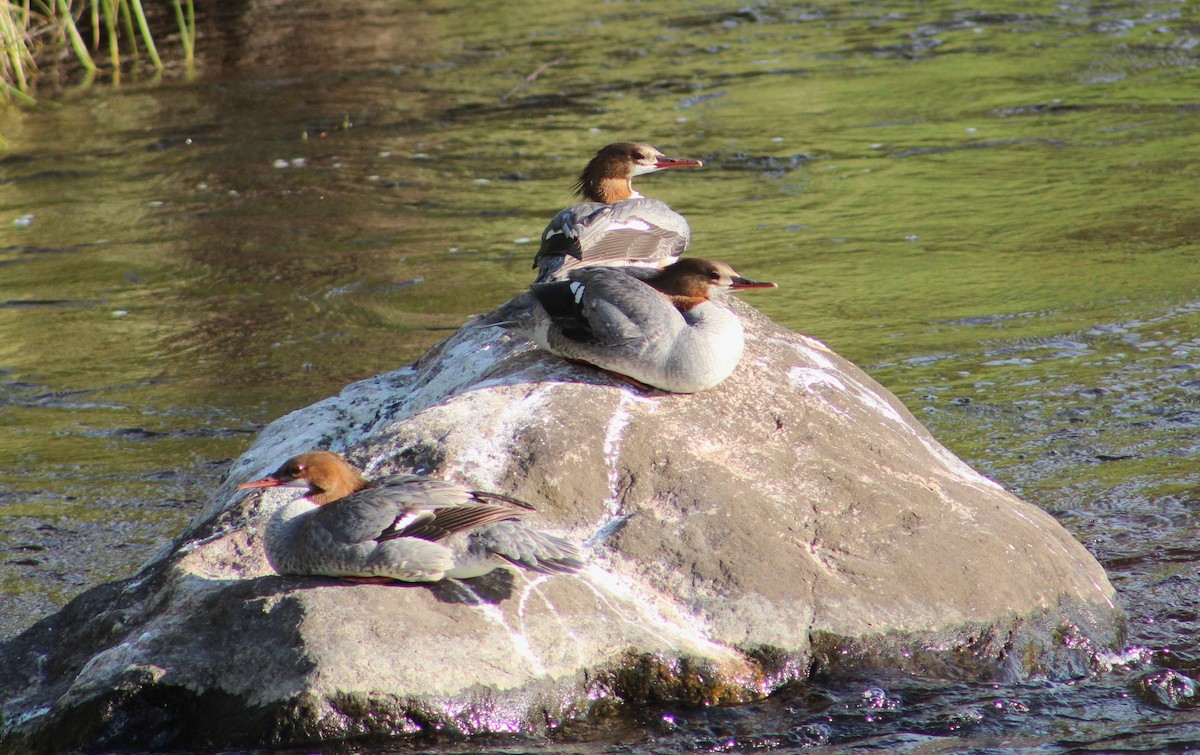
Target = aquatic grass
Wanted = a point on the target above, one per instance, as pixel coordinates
(187, 32)
(17, 60)
(33, 30)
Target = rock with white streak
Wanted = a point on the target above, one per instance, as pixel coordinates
(797, 517)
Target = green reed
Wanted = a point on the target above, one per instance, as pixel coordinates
(36, 31)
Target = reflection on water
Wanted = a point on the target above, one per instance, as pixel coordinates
(993, 212)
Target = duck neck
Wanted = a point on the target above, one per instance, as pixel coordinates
(607, 189)
(687, 303)
(337, 488)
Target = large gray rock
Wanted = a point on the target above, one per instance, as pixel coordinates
(795, 517)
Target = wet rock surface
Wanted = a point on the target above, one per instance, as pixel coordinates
(795, 519)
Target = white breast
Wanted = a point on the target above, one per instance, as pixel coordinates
(283, 534)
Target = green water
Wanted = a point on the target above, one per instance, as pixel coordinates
(991, 208)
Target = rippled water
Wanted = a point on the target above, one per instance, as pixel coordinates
(993, 212)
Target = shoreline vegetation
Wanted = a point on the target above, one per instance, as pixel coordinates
(99, 36)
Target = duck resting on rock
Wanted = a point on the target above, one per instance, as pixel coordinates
(615, 225)
(403, 527)
(660, 328)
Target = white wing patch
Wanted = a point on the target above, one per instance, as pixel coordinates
(550, 233)
(577, 289)
(407, 518)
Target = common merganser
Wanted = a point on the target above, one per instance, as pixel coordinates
(403, 527)
(658, 327)
(615, 225)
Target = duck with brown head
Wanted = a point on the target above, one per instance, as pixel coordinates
(406, 528)
(663, 328)
(615, 225)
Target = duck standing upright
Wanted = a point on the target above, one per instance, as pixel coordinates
(615, 225)
(403, 527)
(661, 328)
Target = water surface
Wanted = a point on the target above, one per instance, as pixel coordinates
(992, 212)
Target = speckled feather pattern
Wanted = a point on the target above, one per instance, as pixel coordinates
(633, 231)
(632, 329)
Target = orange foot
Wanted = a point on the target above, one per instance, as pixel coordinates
(370, 580)
(625, 378)
(632, 381)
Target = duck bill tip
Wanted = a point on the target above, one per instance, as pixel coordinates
(266, 482)
(671, 162)
(746, 283)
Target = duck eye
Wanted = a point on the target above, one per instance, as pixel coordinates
(714, 276)
(638, 155)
